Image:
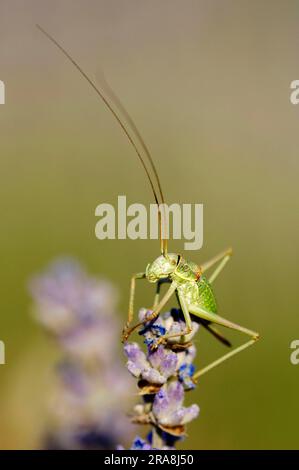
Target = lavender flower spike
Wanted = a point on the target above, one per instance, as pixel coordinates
(164, 372)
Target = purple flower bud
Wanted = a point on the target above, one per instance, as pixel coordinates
(156, 369)
(168, 409)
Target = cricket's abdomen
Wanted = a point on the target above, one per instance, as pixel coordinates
(206, 297)
(198, 293)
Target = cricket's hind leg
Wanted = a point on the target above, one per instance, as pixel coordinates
(222, 258)
(214, 318)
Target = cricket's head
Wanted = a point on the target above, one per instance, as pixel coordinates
(162, 267)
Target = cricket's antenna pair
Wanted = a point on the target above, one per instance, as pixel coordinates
(112, 102)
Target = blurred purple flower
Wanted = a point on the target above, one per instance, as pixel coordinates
(78, 309)
(92, 387)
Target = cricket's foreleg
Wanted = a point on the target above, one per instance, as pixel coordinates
(132, 297)
(158, 290)
(224, 256)
(210, 316)
(183, 334)
(154, 314)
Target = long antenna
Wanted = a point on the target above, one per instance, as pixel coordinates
(117, 102)
(109, 106)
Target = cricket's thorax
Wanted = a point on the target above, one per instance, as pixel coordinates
(186, 271)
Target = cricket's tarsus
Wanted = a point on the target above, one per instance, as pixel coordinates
(194, 291)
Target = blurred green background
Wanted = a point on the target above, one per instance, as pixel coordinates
(208, 83)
